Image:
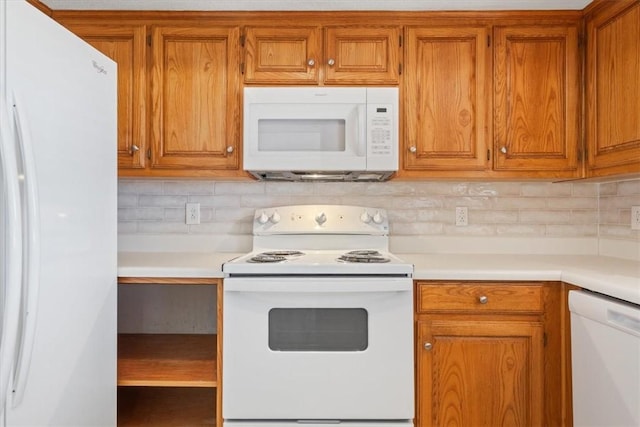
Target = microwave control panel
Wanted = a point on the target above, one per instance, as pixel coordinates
(380, 129)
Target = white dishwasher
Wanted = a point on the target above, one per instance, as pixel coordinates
(605, 353)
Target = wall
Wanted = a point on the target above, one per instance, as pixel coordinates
(521, 209)
(616, 199)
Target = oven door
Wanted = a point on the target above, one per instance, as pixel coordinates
(325, 348)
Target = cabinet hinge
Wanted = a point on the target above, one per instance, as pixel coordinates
(400, 41)
(241, 41)
(580, 40)
(488, 41)
(488, 155)
(149, 154)
(242, 68)
(544, 339)
(400, 69)
(149, 40)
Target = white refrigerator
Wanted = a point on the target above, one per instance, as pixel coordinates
(57, 226)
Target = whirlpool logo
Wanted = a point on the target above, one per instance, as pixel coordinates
(99, 68)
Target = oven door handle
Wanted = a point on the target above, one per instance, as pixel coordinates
(307, 286)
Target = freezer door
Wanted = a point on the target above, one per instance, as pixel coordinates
(62, 94)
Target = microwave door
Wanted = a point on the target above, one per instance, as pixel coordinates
(307, 137)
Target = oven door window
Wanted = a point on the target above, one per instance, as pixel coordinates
(318, 329)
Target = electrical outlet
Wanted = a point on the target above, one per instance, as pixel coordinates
(635, 217)
(462, 216)
(192, 212)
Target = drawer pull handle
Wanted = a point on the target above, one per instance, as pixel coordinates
(483, 299)
(427, 346)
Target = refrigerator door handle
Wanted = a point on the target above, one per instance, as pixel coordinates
(31, 250)
(13, 255)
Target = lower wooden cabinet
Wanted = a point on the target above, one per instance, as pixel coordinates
(169, 379)
(480, 373)
(490, 354)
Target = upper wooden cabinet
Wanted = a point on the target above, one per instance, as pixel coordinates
(354, 55)
(447, 102)
(448, 87)
(195, 98)
(613, 88)
(125, 44)
(537, 100)
(282, 55)
(178, 93)
(497, 95)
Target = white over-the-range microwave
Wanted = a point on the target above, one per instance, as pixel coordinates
(321, 133)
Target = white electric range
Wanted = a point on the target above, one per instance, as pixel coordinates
(318, 322)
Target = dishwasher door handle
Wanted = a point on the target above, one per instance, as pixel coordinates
(608, 311)
(624, 321)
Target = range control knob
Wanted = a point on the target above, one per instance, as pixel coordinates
(365, 217)
(275, 218)
(378, 218)
(263, 218)
(321, 218)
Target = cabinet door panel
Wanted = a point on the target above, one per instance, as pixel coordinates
(362, 55)
(480, 373)
(536, 98)
(613, 89)
(126, 46)
(282, 55)
(446, 99)
(195, 98)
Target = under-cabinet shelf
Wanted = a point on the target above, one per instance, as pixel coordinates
(166, 406)
(167, 360)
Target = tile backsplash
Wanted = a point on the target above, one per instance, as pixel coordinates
(575, 209)
(615, 201)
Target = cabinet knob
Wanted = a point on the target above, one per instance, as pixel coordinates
(483, 299)
(230, 149)
(503, 150)
(311, 62)
(413, 149)
(331, 62)
(134, 149)
(427, 346)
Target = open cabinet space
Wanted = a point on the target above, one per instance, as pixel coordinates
(168, 351)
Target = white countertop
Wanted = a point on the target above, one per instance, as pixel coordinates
(611, 276)
(173, 264)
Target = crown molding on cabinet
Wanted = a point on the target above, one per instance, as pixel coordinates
(204, 5)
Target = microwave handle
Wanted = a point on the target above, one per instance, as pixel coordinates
(362, 130)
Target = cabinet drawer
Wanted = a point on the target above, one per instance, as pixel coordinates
(479, 297)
